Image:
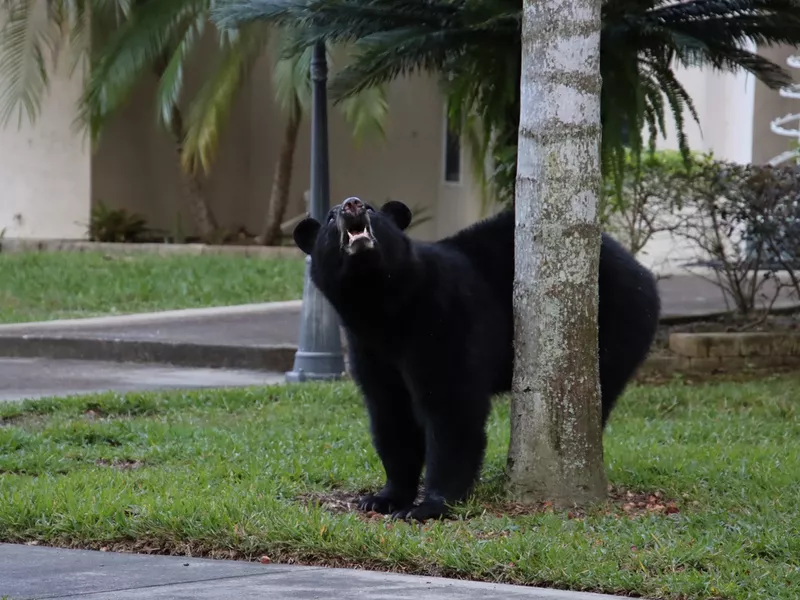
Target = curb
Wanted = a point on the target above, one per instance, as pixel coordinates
(679, 319)
(276, 358)
(185, 314)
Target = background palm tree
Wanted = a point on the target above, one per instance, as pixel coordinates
(130, 39)
(365, 112)
(134, 39)
(475, 46)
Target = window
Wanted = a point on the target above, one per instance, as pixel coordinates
(625, 134)
(452, 152)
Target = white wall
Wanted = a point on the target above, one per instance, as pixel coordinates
(45, 168)
(725, 106)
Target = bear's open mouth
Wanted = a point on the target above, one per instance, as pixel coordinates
(356, 233)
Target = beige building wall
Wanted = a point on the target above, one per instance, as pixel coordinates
(768, 105)
(136, 165)
(45, 167)
(735, 111)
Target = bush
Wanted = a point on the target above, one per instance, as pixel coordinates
(640, 207)
(745, 220)
(115, 225)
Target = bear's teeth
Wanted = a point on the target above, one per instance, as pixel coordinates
(355, 236)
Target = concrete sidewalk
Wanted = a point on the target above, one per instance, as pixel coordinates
(31, 378)
(253, 337)
(32, 572)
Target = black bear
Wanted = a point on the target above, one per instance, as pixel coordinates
(430, 338)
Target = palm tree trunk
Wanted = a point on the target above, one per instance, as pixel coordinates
(556, 449)
(282, 181)
(203, 217)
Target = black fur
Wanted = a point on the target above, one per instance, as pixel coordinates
(430, 335)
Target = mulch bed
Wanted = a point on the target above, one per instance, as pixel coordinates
(621, 503)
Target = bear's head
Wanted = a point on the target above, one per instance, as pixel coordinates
(356, 239)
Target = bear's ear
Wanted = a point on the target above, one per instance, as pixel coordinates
(399, 212)
(305, 234)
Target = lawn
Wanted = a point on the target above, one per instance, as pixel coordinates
(43, 286)
(235, 473)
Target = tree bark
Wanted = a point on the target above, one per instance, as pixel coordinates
(282, 181)
(203, 216)
(556, 451)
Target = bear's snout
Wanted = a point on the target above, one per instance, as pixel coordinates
(353, 206)
(354, 226)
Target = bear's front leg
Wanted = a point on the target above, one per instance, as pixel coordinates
(398, 438)
(455, 441)
(400, 444)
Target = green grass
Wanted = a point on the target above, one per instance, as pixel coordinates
(220, 473)
(44, 286)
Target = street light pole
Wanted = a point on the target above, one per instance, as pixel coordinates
(319, 351)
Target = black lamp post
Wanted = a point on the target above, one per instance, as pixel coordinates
(319, 351)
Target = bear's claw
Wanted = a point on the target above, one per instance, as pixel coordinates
(427, 509)
(380, 504)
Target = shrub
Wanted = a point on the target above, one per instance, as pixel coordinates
(641, 206)
(745, 220)
(115, 225)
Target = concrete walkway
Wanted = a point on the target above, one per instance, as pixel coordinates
(31, 572)
(252, 337)
(30, 378)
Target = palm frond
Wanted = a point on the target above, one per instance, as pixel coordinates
(170, 83)
(342, 20)
(366, 112)
(211, 107)
(290, 74)
(26, 37)
(153, 28)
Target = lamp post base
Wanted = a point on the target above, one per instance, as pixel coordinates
(319, 354)
(316, 366)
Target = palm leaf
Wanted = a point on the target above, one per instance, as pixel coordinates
(25, 37)
(291, 81)
(170, 83)
(153, 29)
(211, 107)
(366, 112)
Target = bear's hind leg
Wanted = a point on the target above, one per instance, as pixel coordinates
(397, 436)
(455, 442)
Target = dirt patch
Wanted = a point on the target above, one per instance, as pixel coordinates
(120, 464)
(720, 375)
(334, 501)
(11, 420)
(621, 503)
(24, 420)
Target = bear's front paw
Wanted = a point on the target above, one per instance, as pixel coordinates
(381, 503)
(427, 509)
